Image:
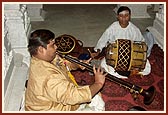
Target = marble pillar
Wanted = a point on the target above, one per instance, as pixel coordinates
(16, 29)
(36, 12)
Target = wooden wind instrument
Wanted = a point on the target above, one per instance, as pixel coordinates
(148, 94)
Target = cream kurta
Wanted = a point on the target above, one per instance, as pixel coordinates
(49, 88)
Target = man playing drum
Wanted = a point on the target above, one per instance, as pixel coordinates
(121, 29)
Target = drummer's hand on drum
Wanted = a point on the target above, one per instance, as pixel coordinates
(94, 54)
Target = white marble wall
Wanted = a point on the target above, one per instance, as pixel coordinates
(17, 26)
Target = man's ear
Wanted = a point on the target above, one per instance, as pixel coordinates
(40, 49)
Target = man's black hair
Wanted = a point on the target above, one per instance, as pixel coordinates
(40, 37)
(123, 8)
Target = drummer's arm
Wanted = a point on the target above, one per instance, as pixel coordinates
(94, 54)
(98, 52)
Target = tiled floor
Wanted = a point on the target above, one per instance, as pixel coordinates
(86, 22)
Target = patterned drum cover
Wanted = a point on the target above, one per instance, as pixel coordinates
(125, 55)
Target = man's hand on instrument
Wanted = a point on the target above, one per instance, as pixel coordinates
(99, 75)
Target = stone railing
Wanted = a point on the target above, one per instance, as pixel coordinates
(7, 51)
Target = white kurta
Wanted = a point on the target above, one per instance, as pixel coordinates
(114, 32)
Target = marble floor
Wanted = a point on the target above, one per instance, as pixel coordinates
(86, 22)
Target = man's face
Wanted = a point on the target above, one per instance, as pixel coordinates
(124, 18)
(50, 52)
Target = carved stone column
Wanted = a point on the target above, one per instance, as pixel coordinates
(36, 12)
(15, 55)
(158, 27)
(18, 24)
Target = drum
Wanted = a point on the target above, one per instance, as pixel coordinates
(68, 44)
(125, 55)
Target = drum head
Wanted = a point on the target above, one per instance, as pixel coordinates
(65, 43)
